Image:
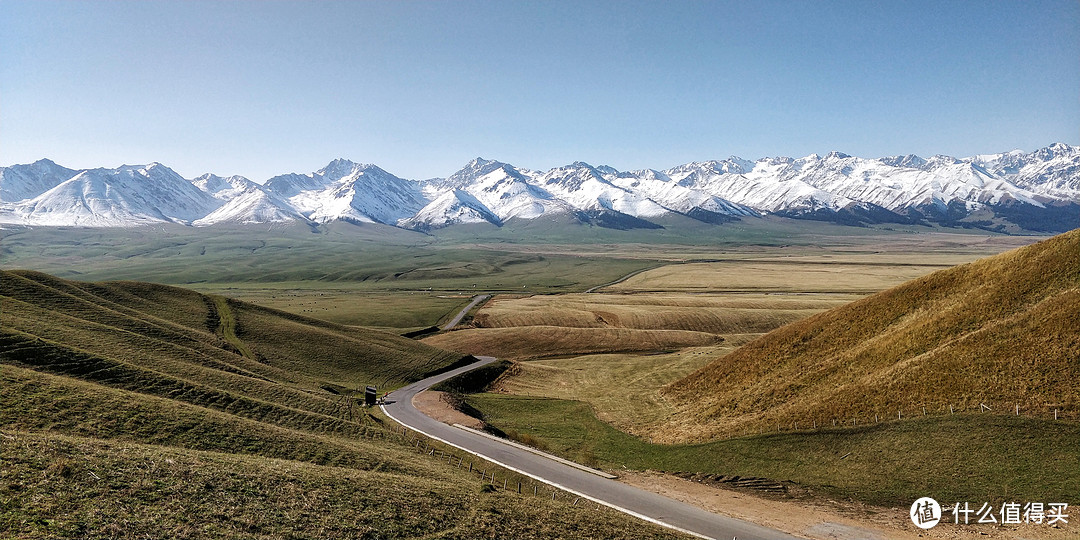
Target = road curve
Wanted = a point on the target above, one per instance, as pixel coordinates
(636, 502)
(461, 314)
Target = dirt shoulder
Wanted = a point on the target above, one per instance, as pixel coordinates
(829, 521)
(435, 405)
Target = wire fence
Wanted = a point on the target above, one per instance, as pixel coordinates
(1052, 412)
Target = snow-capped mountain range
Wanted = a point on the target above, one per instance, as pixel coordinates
(1037, 191)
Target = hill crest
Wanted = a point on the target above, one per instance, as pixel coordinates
(1001, 331)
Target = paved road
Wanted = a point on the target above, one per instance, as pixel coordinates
(636, 502)
(476, 300)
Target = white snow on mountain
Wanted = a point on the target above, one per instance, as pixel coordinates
(1040, 189)
(501, 189)
(451, 208)
(665, 191)
(245, 202)
(584, 187)
(121, 197)
(21, 182)
(349, 191)
(761, 188)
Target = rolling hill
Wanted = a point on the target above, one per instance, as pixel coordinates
(131, 409)
(1001, 332)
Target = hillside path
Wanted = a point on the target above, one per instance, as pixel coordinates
(622, 497)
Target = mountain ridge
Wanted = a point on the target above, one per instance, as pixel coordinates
(1006, 192)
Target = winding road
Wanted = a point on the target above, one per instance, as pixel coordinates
(636, 502)
(461, 314)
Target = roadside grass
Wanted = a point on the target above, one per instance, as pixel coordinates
(61, 486)
(963, 457)
(622, 389)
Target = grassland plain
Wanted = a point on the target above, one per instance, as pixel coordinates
(375, 262)
(129, 411)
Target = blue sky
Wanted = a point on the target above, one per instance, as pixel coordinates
(420, 88)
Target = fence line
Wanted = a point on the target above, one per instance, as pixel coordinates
(1042, 411)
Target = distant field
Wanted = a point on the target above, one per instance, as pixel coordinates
(346, 306)
(365, 258)
(515, 327)
(758, 275)
(717, 314)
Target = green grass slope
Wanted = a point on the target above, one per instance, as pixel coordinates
(951, 458)
(131, 410)
(181, 333)
(1002, 331)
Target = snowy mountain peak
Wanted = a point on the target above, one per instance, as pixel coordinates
(909, 161)
(1009, 191)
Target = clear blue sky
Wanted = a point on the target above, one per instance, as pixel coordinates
(419, 88)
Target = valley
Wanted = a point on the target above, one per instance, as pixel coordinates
(599, 377)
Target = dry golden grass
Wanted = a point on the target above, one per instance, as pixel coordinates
(572, 324)
(1003, 331)
(716, 314)
(776, 275)
(542, 341)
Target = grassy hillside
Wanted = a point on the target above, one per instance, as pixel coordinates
(130, 410)
(1001, 331)
(187, 335)
(961, 457)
